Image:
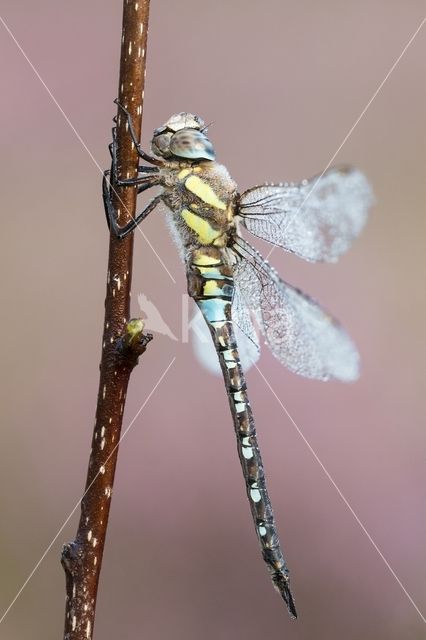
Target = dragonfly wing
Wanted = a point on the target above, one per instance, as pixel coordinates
(302, 335)
(242, 317)
(317, 219)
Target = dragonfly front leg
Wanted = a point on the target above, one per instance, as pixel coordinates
(141, 152)
(111, 213)
(128, 182)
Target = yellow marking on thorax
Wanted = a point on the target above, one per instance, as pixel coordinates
(205, 232)
(182, 174)
(204, 191)
(230, 213)
(220, 241)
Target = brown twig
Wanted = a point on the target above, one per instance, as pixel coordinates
(123, 342)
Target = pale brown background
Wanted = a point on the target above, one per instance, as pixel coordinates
(283, 82)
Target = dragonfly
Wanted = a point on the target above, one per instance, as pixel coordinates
(233, 285)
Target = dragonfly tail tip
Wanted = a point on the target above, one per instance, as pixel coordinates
(281, 584)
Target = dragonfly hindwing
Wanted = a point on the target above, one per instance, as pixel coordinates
(302, 335)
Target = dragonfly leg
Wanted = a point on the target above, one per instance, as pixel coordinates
(111, 213)
(114, 166)
(145, 156)
(133, 182)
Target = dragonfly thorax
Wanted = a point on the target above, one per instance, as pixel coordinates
(183, 136)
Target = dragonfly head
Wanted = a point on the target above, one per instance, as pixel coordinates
(182, 136)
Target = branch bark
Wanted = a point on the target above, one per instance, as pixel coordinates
(123, 342)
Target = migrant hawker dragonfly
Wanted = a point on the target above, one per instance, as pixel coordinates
(229, 280)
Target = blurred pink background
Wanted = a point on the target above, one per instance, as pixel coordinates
(283, 82)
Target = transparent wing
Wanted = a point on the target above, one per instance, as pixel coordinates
(242, 317)
(317, 219)
(302, 335)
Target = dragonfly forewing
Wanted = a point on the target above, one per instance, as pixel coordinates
(317, 219)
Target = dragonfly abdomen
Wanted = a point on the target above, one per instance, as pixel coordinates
(211, 285)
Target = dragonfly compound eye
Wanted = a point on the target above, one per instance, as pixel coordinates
(191, 144)
(160, 144)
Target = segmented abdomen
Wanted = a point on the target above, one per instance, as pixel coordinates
(211, 285)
